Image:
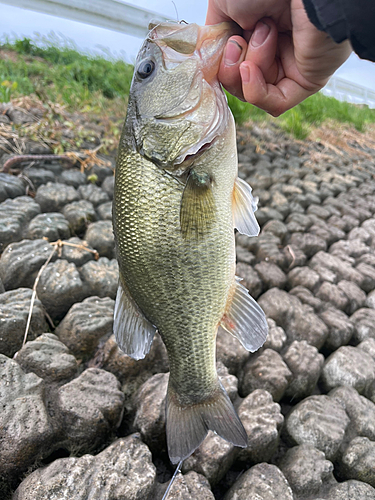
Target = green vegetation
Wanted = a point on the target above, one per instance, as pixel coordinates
(59, 73)
(62, 75)
(311, 112)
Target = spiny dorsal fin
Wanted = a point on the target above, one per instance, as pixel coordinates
(133, 332)
(197, 206)
(245, 319)
(244, 206)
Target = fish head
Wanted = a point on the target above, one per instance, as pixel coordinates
(176, 105)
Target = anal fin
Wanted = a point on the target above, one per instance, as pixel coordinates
(133, 332)
(244, 206)
(245, 319)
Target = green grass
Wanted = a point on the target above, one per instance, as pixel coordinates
(59, 73)
(62, 74)
(311, 112)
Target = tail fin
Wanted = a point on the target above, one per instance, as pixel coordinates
(187, 426)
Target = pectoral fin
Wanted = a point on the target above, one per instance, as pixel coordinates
(197, 206)
(133, 332)
(244, 206)
(245, 319)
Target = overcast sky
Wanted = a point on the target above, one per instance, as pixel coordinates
(19, 22)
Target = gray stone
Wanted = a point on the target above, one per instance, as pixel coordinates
(326, 232)
(319, 421)
(52, 226)
(14, 310)
(305, 363)
(332, 296)
(353, 247)
(19, 116)
(348, 366)
(91, 408)
(73, 177)
(85, 324)
(53, 196)
(341, 329)
(230, 351)
(14, 216)
(79, 214)
(318, 210)
(294, 257)
(265, 371)
(309, 243)
(10, 186)
(277, 228)
(212, 459)
(338, 269)
(250, 279)
(360, 410)
(370, 300)
(188, 486)
(360, 233)
(356, 297)
(26, 433)
(104, 211)
(93, 193)
(110, 357)
(60, 286)
(100, 277)
(298, 222)
(368, 345)
(268, 250)
(150, 415)
(306, 469)
(230, 382)
(351, 490)
(39, 176)
(108, 185)
(276, 337)
(297, 319)
(261, 482)
(78, 252)
(304, 276)
(123, 470)
(364, 321)
(271, 275)
(357, 461)
(243, 255)
(368, 273)
(263, 421)
(20, 262)
(48, 358)
(306, 297)
(99, 235)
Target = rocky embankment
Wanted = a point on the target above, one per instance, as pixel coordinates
(79, 419)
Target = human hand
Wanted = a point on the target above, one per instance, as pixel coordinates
(281, 59)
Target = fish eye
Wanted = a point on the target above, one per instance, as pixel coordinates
(145, 68)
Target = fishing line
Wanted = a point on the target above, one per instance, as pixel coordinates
(172, 480)
(175, 8)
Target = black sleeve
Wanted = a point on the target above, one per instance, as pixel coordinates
(346, 19)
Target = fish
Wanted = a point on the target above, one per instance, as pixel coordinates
(177, 200)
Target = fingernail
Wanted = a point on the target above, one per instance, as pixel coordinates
(232, 53)
(245, 73)
(260, 34)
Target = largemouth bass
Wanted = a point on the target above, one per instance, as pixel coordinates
(177, 201)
